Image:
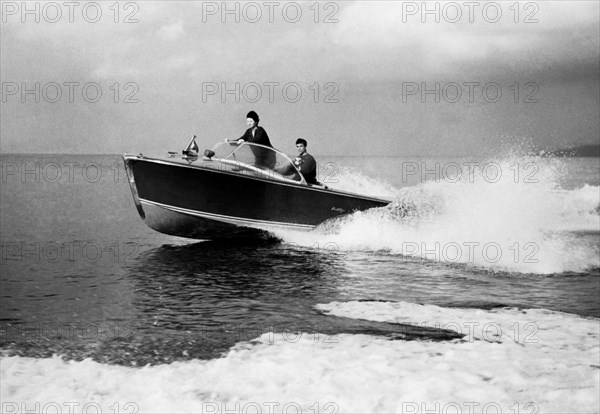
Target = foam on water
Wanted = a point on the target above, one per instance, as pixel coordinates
(517, 222)
(514, 360)
(355, 181)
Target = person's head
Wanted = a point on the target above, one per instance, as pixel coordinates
(301, 145)
(252, 119)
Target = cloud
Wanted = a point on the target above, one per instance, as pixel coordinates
(171, 31)
(404, 38)
(368, 53)
(180, 61)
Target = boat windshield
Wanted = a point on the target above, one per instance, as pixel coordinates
(258, 156)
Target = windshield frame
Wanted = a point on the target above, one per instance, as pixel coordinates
(231, 157)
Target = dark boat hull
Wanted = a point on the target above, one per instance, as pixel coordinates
(208, 201)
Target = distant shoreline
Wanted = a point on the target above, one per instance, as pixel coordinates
(589, 151)
(585, 151)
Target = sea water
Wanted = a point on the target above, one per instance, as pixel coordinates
(476, 290)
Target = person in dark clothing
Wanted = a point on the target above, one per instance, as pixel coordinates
(304, 162)
(257, 135)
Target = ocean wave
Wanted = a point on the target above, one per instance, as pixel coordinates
(533, 360)
(529, 225)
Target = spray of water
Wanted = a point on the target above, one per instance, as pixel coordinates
(500, 218)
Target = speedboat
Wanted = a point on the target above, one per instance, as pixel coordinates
(233, 189)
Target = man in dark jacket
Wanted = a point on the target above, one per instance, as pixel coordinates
(257, 135)
(306, 162)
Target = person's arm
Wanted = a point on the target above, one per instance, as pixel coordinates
(308, 165)
(240, 139)
(246, 137)
(289, 171)
(286, 170)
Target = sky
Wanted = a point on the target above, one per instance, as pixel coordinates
(353, 78)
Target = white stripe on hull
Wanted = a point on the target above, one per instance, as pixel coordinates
(238, 221)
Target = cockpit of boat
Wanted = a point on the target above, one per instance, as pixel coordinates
(253, 159)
